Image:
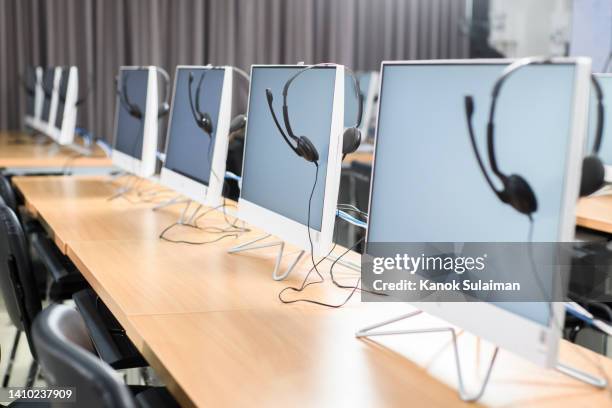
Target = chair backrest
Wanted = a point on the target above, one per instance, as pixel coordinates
(66, 356)
(7, 193)
(17, 282)
(362, 193)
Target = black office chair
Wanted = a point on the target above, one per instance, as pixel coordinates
(58, 279)
(17, 284)
(23, 302)
(67, 359)
(354, 190)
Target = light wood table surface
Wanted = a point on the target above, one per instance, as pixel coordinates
(310, 358)
(79, 208)
(365, 157)
(211, 325)
(19, 150)
(595, 212)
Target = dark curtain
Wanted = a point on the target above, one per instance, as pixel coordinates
(100, 35)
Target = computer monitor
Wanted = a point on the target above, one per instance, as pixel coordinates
(30, 85)
(276, 183)
(195, 162)
(605, 152)
(39, 97)
(427, 186)
(63, 127)
(368, 84)
(135, 139)
(48, 87)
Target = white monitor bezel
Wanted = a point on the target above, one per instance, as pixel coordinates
(49, 126)
(32, 121)
(210, 195)
(487, 323)
(288, 230)
(38, 123)
(145, 165)
(64, 134)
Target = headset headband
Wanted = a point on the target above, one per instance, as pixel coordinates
(166, 78)
(300, 72)
(511, 69)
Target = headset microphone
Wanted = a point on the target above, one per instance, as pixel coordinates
(85, 95)
(516, 192)
(29, 90)
(124, 99)
(304, 147)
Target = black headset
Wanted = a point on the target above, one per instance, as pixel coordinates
(48, 93)
(164, 108)
(593, 170)
(304, 147)
(132, 108)
(29, 89)
(516, 190)
(203, 119)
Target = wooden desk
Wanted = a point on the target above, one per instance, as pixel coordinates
(365, 157)
(79, 209)
(595, 212)
(211, 325)
(18, 150)
(310, 358)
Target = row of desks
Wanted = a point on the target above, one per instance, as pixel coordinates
(212, 326)
(19, 151)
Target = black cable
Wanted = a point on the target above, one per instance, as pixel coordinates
(314, 186)
(232, 224)
(304, 285)
(168, 228)
(68, 163)
(195, 221)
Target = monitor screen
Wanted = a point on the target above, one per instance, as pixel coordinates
(351, 101)
(61, 103)
(189, 151)
(29, 83)
(274, 177)
(427, 186)
(130, 130)
(605, 152)
(47, 85)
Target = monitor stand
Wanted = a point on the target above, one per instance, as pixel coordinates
(370, 331)
(249, 246)
(178, 199)
(119, 190)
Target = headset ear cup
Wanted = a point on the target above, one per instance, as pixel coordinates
(593, 175)
(351, 139)
(519, 194)
(307, 150)
(163, 110)
(206, 122)
(135, 112)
